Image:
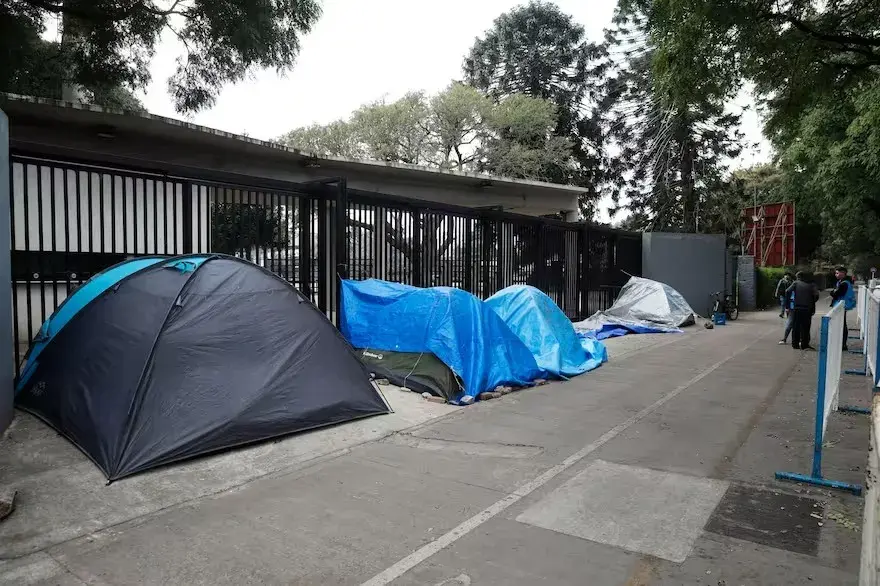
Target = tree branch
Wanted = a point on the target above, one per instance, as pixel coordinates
(831, 38)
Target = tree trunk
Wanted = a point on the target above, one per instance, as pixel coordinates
(69, 90)
(688, 194)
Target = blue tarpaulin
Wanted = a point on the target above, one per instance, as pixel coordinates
(462, 331)
(546, 331)
(614, 330)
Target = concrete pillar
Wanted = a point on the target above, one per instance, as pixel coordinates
(745, 276)
(7, 360)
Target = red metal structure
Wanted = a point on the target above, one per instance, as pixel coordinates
(768, 233)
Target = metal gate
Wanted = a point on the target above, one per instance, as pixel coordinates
(71, 220)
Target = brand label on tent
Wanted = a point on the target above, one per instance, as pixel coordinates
(369, 354)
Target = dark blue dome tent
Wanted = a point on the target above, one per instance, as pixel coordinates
(156, 360)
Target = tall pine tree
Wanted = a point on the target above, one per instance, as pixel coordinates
(539, 51)
(667, 157)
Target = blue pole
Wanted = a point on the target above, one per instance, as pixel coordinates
(875, 376)
(820, 398)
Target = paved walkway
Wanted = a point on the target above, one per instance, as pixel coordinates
(655, 469)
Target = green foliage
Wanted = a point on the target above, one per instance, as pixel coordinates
(815, 67)
(109, 43)
(766, 279)
(538, 51)
(457, 129)
(242, 228)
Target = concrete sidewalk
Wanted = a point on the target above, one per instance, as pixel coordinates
(655, 469)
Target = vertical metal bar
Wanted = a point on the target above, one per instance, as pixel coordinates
(124, 183)
(165, 217)
(341, 259)
(584, 279)
(53, 242)
(41, 253)
(134, 210)
(155, 216)
(7, 179)
(103, 240)
(323, 261)
(146, 226)
(186, 203)
(175, 248)
(27, 247)
(199, 240)
(820, 399)
(499, 269)
(7, 296)
(417, 247)
(305, 240)
(91, 214)
(113, 213)
(66, 197)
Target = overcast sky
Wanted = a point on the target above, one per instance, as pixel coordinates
(362, 50)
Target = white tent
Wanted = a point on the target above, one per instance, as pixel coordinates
(644, 304)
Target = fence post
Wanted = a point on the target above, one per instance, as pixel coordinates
(417, 252)
(7, 364)
(340, 243)
(186, 218)
(305, 245)
(584, 284)
(819, 431)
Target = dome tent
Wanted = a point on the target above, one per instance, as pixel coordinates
(536, 319)
(156, 360)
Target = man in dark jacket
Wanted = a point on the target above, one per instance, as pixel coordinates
(842, 293)
(805, 295)
(783, 284)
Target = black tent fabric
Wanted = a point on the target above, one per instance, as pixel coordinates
(188, 356)
(419, 371)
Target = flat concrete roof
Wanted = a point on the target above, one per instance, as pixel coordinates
(102, 120)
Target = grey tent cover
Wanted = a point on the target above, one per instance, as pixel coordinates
(189, 356)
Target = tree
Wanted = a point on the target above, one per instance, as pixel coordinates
(795, 52)
(538, 51)
(396, 131)
(36, 67)
(458, 123)
(672, 149)
(242, 229)
(109, 43)
(815, 66)
(337, 139)
(520, 140)
(457, 129)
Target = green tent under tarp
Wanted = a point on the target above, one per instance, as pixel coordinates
(419, 371)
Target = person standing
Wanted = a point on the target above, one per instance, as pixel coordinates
(781, 287)
(845, 293)
(804, 298)
(789, 322)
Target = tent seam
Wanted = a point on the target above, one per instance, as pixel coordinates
(131, 408)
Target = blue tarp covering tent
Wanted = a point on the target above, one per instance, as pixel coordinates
(546, 331)
(462, 331)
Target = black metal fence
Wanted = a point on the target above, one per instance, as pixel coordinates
(70, 220)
